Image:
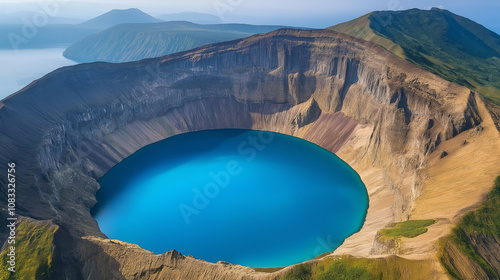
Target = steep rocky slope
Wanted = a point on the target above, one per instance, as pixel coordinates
(387, 118)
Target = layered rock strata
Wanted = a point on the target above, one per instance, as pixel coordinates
(387, 118)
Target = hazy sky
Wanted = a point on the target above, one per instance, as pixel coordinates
(312, 13)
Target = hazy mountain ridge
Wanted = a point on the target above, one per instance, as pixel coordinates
(451, 46)
(199, 18)
(19, 18)
(130, 42)
(57, 35)
(28, 35)
(115, 17)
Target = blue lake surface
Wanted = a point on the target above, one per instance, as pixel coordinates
(247, 197)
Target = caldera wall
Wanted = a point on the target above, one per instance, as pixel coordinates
(383, 116)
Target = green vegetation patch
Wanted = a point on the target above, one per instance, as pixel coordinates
(34, 252)
(409, 229)
(343, 270)
(347, 268)
(484, 221)
(450, 46)
(299, 272)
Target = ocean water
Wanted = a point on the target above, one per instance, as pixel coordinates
(247, 197)
(18, 68)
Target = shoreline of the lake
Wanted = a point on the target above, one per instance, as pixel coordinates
(200, 190)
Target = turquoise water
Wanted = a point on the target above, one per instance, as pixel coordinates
(247, 197)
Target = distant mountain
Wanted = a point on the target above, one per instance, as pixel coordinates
(448, 45)
(129, 42)
(57, 35)
(115, 17)
(193, 17)
(64, 35)
(20, 17)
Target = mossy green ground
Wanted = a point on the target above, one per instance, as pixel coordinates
(483, 221)
(34, 251)
(409, 229)
(347, 268)
(448, 45)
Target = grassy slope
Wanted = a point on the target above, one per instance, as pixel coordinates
(345, 268)
(408, 229)
(360, 28)
(482, 223)
(34, 251)
(129, 42)
(439, 41)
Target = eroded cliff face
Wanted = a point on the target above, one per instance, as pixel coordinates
(382, 115)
